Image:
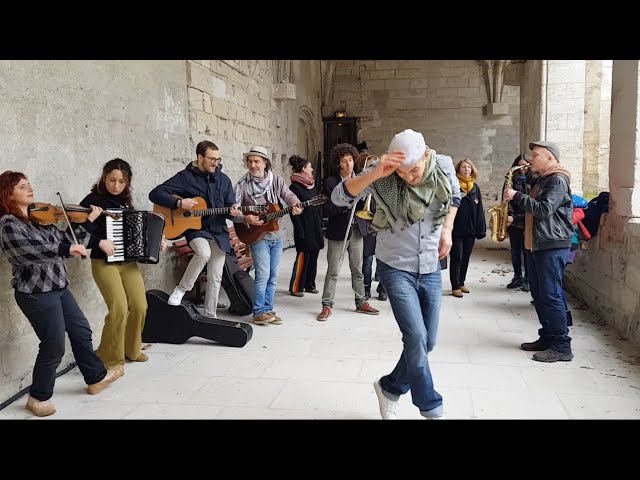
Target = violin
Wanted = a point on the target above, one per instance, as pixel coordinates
(47, 214)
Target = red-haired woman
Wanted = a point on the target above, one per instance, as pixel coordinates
(36, 253)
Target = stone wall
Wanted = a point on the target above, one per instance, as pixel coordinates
(444, 100)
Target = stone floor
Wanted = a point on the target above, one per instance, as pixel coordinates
(305, 369)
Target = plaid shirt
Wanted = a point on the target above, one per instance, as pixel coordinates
(36, 253)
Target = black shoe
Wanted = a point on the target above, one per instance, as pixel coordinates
(569, 319)
(525, 286)
(537, 346)
(550, 355)
(382, 296)
(516, 282)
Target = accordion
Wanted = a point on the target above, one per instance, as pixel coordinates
(137, 236)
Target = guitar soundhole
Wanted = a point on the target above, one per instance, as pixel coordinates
(186, 214)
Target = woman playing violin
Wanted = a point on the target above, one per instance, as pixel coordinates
(120, 284)
(36, 253)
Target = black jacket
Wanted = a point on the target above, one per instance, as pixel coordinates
(338, 216)
(215, 188)
(307, 227)
(98, 228)
(552, 210)
(470, 221)
(515, 210)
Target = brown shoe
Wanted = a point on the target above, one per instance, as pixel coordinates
(324, 314)
(143, 357)
(111, 376)
(457, 293)
(368, 309)
(313, 290)
(276, 319)
(297, 294)
(40, 408)
(464, 289)
(263, 318)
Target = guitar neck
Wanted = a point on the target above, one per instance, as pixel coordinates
(220, 211)
(285, 211)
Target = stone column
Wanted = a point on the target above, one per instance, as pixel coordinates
(624, 171)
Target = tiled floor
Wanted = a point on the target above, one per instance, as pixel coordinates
(324, 370)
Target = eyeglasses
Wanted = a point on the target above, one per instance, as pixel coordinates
(213, 159)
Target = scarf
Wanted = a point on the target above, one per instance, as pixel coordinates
(304, 179)
(397, 201)
(528, 216)
(256, 186)
(466, 183)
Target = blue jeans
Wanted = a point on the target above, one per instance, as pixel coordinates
(546, 272)
(266, 256)
(50, 314)
(415, 301)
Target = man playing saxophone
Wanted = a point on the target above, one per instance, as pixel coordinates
(547, 234)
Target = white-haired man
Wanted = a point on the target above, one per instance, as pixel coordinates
(417, 196)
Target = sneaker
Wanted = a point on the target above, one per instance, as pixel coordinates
(550, 355)
(324, 314)
(276, 319)
(525, 286)
(40, 408)
(387, 407)
(262, 318)
(464, 289)
(176, 296)
(537, 346)
(111, 376)
(516, 282)
(368, 309)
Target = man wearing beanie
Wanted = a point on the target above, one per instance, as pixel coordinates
(417, 196)
(547, 234)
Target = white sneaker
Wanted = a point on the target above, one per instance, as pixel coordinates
(176, 297)
(387, 407)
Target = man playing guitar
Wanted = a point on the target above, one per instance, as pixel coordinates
(201, 178)
(258, 187)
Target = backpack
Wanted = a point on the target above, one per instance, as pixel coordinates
(592, 213)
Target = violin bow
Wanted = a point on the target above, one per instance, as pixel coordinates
(64, 210)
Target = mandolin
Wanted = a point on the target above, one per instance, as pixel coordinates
(179, 220)
(251, 234)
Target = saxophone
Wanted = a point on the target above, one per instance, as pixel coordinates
(500, 213)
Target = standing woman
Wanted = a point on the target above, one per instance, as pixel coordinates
(36, 254)
(258, 187)
(307, 229)
(469, 225)
(120, 283)
(515, 229)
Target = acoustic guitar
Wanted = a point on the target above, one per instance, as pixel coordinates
(251, 234)
(179, 220)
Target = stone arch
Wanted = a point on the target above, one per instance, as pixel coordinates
(307, 134)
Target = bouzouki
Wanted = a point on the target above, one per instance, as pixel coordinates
(251, 234)
(179, 220)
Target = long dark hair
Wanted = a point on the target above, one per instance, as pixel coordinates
(8, 181)
(116, 164)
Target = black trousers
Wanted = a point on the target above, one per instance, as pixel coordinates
(50, 314)
(460, 254)
(304, 272)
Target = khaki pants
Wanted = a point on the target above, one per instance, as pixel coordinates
(354, 252)
(206, 252)
(123, 291)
